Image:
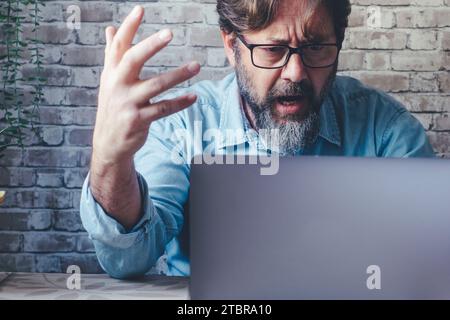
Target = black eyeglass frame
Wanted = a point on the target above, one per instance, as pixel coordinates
(292, 51)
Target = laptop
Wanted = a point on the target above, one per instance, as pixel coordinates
(320, 228)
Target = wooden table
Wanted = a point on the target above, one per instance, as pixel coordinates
(53, 286)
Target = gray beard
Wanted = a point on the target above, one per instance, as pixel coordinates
(292, 136)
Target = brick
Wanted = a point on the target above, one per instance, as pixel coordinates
(52, 136)
(445, 40)
(440, 141)
(84, 116)
(424, 102)
(45, 242)
(24, 221)
(210, 14)
(362, 39)
(16, 262)
(85, 157)
(386, 81)
(418, 61)
(444, 81)
(67, 221)
(44, 198)
(189, 13)
(47, 263)
(76, 197)
(51, 33)
(55, 75)
(90, 34)
(208, 36)
(34, 137)
(67, 116)
(95, 12)
(167, 13)
(217, 57)
(84, 244)
(74, 178)
(378, 60)
(83, 55)
(423, 17)
(424, 82)
(19, 177)
(11, 242)
(11, 157)
(39, 220)
(423, 40)
(80, 137)
(427, 3)
(51, 54)
(426, 119)
(5, 177)
(49, 177)
(54, 96)
(81, 96)
(16, 221)
(442, 122)
(381, 2)
(52, 12)
(357, 17)
(88, 77)
(51, 157)
(351, 60)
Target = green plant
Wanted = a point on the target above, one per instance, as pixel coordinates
(15, 117)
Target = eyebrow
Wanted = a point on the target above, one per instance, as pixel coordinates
(309, 38)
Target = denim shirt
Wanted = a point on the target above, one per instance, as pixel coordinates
(355, 121)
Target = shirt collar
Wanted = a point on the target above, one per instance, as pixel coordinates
(232, 117)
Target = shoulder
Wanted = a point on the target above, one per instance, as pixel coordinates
(356, 95)
(357, 102)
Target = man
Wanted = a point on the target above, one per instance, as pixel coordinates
(285, 56)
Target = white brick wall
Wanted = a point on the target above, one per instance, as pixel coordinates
(406, 53)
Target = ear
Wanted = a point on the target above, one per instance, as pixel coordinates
(228, 41)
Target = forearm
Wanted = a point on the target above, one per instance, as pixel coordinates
(115, 187)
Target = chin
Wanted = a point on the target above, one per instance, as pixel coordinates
(292, 118)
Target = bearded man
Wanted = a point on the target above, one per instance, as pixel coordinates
(284, 88)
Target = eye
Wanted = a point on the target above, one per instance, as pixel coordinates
(316, 48)
(275, 49)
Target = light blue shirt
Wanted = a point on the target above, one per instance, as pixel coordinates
(355, 121)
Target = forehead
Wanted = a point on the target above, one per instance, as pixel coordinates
(300, 19)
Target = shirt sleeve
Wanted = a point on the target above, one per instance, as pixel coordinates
(404, 136)
(163, 185)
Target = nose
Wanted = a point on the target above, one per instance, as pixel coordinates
(294, 70)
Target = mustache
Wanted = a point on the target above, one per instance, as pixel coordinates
(302, 89)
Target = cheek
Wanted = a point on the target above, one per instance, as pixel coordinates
(264, 81)
(319, 79)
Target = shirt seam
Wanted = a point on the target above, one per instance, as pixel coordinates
(394, 118)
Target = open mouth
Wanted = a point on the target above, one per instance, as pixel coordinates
(287, 106)
(290, 100)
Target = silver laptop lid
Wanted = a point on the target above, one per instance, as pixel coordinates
(321, 228)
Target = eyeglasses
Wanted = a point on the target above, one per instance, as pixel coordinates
(269, 56)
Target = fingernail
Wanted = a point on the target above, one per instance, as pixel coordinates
(192, 96)
(165, 35)
(193, 67)
(136, 11)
